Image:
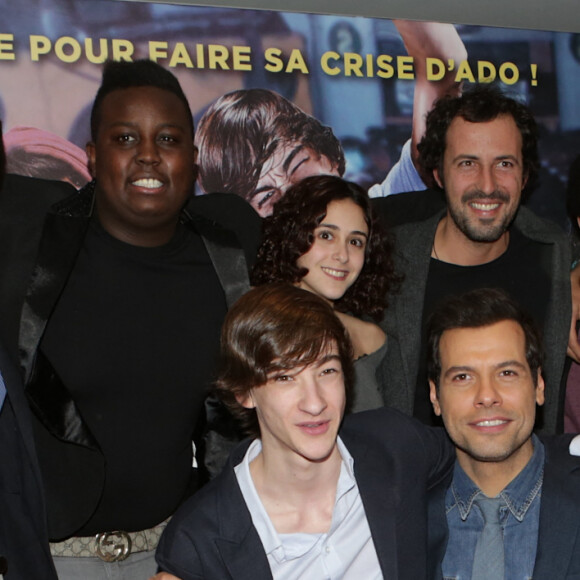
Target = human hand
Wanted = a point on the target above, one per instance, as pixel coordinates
(573, 345)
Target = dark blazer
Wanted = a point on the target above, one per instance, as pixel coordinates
(397, 374)
(558, 553)
(409, 207)
(39, 271)
(24, 203)
(396, 459)
(23, 531)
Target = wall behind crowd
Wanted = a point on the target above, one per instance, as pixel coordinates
(538, 14)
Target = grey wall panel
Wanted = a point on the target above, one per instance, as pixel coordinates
(561, 15)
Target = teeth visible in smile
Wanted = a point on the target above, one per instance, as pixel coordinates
(484, 206)
(148, 183)
(493, 423)
(336, 273)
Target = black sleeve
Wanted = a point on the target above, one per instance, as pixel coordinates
(233, 213)
(409, 207)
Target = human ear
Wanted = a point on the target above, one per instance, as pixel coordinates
(92, 158)
(540, 389)
(434, 399)
(246, 400)
(438, 178)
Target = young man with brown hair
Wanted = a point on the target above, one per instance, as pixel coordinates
(301, 499)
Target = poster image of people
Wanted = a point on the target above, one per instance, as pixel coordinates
(279, 96)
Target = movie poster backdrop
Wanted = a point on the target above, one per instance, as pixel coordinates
(319, 93)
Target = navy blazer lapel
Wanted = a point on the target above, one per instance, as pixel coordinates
(380, 500)
(244, 559)
(239, 543)
(558, 539)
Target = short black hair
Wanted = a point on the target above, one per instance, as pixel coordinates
(127, 75)
(479, 105)
(475, 309)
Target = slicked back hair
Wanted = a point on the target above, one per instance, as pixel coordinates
(476, 309)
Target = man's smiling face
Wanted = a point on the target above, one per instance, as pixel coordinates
(143, 159)
(487, 394)
(482, 176)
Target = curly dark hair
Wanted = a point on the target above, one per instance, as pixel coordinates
(275, 328)
(479, 105)
(289, 234)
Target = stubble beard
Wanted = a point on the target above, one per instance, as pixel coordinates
(481, 230)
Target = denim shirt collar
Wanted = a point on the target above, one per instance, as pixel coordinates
(518, 495)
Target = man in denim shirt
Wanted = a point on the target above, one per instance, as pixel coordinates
(485, 359)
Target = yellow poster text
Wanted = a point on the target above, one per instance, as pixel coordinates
(7, 47)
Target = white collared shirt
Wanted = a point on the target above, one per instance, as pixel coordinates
(346, 551)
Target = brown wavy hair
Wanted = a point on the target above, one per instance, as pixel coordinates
(476, 309)
(239, 133)
(275, 328)
(289, 234)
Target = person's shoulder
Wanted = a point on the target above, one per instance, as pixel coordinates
(532, 225)
(186, 542)
(378, 423)
(366, 337)
(409, 207)
(230, 212)
(20, 191)
(389, 427)
(562, 449)
(226, 209)
(205, 503)
(26, 201)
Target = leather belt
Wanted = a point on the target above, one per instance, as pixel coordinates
(109, 546)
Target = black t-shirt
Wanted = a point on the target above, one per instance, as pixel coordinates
(520, 271)
(134, 338)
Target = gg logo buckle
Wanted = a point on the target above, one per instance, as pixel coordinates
(113, 546)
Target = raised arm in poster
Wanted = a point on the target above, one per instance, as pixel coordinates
(256, 143)
(423, 41)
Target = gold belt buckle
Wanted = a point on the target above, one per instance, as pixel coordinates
(113, 546)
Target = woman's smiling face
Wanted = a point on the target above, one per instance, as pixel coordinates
(337, 255)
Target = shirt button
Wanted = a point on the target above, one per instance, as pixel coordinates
(327, 549)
